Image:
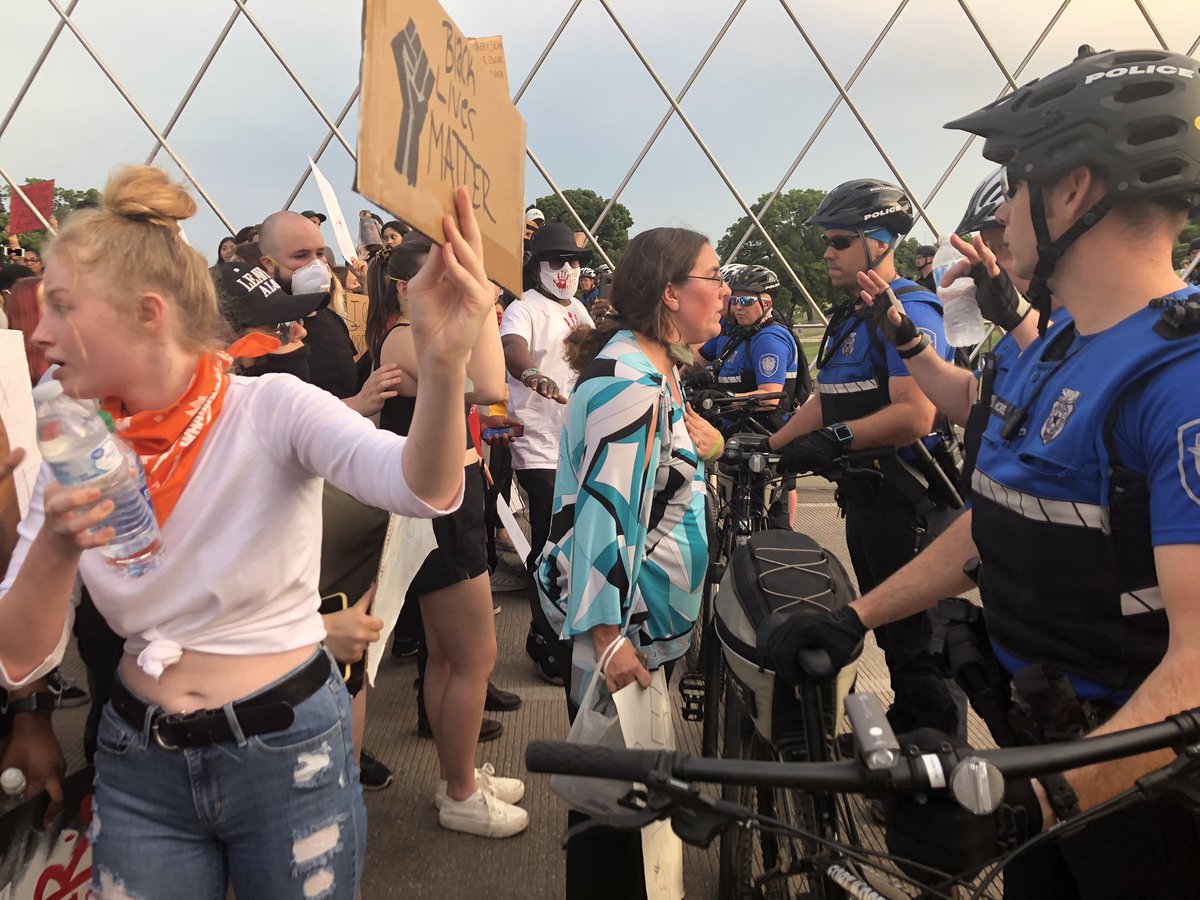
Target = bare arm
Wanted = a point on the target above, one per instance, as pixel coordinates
(949, 388)
(516, 355)
(908, 418)
(1170, 688)
(767, 388)
(485, 368)
(807, 418)
(936, 572)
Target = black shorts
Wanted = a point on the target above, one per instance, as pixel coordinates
(461, 551)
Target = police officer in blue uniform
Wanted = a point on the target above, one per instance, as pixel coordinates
(1086, 489)
(865, 399)
(755, 353)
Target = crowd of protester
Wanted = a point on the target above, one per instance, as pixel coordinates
(261, 407)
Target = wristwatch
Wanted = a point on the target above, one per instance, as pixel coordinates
(844, 435)
(41, 701)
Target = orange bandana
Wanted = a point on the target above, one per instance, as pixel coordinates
(169, 440)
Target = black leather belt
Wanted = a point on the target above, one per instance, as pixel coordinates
(262, 713)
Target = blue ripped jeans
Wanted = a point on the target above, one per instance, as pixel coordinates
(277, 815)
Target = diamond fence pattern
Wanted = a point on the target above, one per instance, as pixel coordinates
(794, 11)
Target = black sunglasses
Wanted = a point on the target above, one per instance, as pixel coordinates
(838, 241)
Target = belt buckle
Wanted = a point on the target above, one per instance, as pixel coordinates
(170, 720)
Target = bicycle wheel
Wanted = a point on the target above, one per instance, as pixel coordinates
(755, 864)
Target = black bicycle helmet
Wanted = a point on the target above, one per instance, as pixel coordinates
(753, 280)
(864, 204)
(1131, 115)
(981, 211)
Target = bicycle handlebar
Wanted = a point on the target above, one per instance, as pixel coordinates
(851, 776)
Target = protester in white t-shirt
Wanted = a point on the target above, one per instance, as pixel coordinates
(539, 379)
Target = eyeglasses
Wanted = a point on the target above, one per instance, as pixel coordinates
(716, 279)
(559, 261)
(837, 241)
(743, 301)
(1009, 182)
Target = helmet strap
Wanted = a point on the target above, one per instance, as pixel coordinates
(1049, 252)
(872, 263)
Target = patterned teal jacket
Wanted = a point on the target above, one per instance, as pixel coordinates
(628, 542)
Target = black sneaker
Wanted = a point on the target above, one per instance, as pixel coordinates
(373, 775)
(489, 729)
(501, 701)
(68, 694)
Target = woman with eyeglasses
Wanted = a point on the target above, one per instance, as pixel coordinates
(620, 577)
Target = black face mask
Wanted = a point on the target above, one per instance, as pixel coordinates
(294, 363)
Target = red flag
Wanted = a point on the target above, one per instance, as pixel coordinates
(21, 218)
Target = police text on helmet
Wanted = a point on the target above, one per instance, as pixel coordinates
(1122, 71)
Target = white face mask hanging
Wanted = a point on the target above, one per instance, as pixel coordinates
(560, 282)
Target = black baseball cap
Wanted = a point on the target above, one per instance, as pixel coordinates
(925, 250)
(310, 214)
(251, 297)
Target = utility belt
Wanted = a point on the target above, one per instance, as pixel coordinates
(1036, 705)
(926, 482)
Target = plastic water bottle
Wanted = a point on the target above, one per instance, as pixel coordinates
(12, 786)
(945, 257)
(81, 452)
(961, 317)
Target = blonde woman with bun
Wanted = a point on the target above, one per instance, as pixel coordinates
(225, 756)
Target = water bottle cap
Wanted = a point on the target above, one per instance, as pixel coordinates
(12, 781)
(108, 421)
(47, 390)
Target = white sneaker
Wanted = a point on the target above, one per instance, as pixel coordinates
(507, 790)
(483, 815)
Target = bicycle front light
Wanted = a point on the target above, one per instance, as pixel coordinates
(757, 463)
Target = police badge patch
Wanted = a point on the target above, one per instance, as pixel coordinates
(1189, 458)
(769, 364)
(1059, 413)
(848, 344)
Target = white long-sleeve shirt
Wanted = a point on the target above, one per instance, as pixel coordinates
(242, 548)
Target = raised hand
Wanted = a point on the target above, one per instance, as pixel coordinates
(886, 311)
(999, 301)
(451, 295)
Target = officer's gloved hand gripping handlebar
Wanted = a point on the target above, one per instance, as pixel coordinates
(811, 644)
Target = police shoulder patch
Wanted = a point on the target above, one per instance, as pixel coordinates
(768, 364)
(1188, 438)
(933, 338)
(848, 344)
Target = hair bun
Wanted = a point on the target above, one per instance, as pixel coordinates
(147, 194)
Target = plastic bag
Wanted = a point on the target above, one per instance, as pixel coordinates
(595, 725)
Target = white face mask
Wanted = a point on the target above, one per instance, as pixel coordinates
(560, 282)
(311, 279)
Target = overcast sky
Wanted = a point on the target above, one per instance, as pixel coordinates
(248, 129)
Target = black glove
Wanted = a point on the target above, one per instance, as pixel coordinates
(998, 300)
(783, 637)
(898, 335)
(701, 378)
(811, 452)
(934, 829)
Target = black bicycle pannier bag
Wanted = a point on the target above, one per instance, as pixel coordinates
(775, 571)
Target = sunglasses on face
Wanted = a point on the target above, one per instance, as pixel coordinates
(559, 261)
(837, 241)
(743, 301)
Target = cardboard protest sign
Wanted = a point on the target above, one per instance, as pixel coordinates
(21, 218)
(433, 117)
(490, 53)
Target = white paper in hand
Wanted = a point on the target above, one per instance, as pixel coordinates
(645, 717)
(407, 544)
(16, 411)
(341, 232)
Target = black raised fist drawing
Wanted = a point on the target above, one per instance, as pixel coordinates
(416, 84)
